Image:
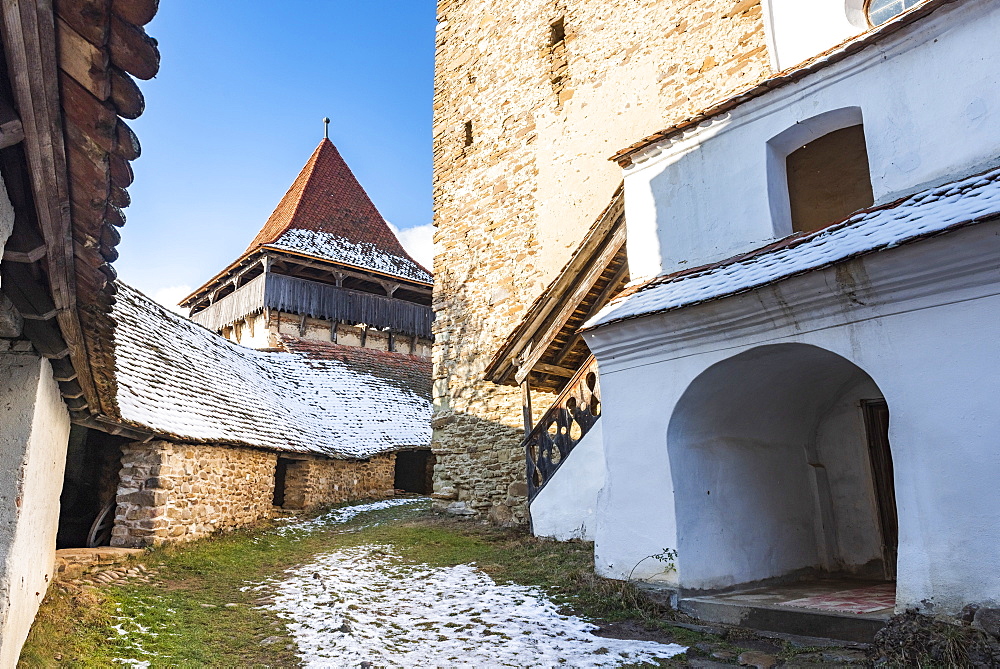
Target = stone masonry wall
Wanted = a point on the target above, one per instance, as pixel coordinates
(175, 492)
(316, 482)
(524, 124)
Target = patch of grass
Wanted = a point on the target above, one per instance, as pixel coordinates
(183, 618)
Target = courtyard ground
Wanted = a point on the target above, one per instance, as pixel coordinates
(386, 583)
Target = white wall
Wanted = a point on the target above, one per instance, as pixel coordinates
(34, 433)
(797, 30)
(705, 196)
(921, 320)
(764, 473)
(565, 508)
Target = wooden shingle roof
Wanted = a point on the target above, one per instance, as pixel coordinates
(326, 213)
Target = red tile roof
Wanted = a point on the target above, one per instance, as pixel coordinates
(327, 197)
(410, 372)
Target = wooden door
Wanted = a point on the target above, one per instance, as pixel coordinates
(877, 426)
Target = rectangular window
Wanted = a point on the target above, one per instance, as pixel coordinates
(828, 179)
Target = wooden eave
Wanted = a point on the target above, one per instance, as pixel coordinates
(254, 256)
(545, 348)
(71, 66)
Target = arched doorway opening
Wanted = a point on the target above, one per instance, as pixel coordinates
(781, 469)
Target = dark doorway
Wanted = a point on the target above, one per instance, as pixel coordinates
(90, 485)
(877, 427)
(414, 471)
(280, 477)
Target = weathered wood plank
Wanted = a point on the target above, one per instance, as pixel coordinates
(125, 94)
(82, 61)
(136, 12)
(88, 18)
(133, 50)
(584, 284)
(96, 120)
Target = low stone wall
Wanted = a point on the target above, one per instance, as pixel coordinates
(311, 483)
(178, 492)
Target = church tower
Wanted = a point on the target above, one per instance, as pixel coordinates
(324, 267)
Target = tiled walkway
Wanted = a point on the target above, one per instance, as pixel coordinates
(834, 595)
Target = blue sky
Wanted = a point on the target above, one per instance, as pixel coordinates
(237, 109)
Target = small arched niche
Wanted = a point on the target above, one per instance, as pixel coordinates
(777, 465)
(818, 172)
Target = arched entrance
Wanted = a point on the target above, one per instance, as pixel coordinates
(781, 468)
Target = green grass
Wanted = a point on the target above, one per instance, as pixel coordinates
(186, 607)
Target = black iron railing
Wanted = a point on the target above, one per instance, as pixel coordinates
(568, 420)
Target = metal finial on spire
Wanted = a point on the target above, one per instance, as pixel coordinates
(326, 128)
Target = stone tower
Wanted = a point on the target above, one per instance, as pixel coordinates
(325, 266)
(532, 97)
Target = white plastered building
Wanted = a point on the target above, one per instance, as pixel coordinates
(805, 382)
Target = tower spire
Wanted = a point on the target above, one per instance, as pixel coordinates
(326, 127)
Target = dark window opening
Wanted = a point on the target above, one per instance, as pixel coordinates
(557, 32)
(468, 133)
(558, 61)
(415, 471)
(828, 179)
(280, 479)
(90, 487)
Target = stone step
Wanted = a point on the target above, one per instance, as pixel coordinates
(859, 628)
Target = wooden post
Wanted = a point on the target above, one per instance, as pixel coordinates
(392, 341)
(526, 407)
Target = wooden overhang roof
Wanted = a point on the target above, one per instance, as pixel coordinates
(326, 202)
(786, 77)
(70, 67)
(545, 348)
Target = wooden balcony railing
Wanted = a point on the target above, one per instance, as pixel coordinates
(561, 428)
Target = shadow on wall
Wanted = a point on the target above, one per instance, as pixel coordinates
(479, 469)
(773, 468)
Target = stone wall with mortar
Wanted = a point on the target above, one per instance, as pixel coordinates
(316, 482)
(524, 123)
(178, 492)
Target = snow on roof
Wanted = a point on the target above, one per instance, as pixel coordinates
(363, 255)
(327, 213)
(184, 382)
(927, 213)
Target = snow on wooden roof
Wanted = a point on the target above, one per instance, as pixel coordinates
(327, 214)
(185, 383)
(927, 213)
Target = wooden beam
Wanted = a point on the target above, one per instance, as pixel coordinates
(601, 300)
(583, 286)
(526, 407)
(29, 42)
(542, 368)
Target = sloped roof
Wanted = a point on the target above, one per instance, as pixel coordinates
(408, 372)
(327, 214)
(185, 383)
(927, 213)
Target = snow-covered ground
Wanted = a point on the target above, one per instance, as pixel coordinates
(341, 515)
(365, 605)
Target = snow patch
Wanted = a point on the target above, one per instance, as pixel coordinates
(364, 255)
(364, 605)
(340, 516)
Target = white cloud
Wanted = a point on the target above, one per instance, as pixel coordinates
(171, 295)
(418, 242)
